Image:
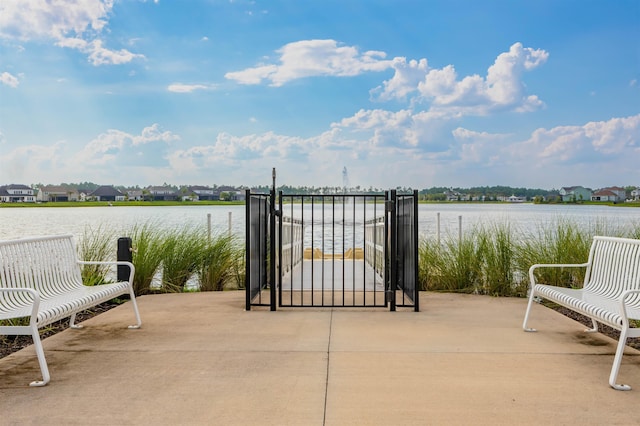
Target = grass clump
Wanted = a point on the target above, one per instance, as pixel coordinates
(495, 260)
(95, 244)
(222, 264)
(171, 260)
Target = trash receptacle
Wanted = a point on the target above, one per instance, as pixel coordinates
(124, 254)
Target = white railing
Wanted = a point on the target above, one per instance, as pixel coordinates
(374, 242)
(292, 243)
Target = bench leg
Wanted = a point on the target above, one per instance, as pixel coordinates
(594, 329)
(617, 361)
(135, 310)
(72, 322)
(526, 315)
(41, 359)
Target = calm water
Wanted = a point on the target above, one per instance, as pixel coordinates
(20, 222)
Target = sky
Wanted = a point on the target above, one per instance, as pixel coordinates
(401, 93)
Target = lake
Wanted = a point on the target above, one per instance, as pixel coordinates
(21, 222)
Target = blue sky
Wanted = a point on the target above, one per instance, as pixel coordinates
(409, 93)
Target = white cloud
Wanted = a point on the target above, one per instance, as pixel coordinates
(187, 88)
(116, 144)
(153, 134)
(312, 58)
(596, 141)
(441, 89)
(31, 163)
(75, 25)
(99, 55)
(405, 80)
(9, 80)
(502, 89)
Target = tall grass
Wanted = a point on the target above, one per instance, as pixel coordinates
(147, 242)
(222, 263)
(183, 252)
(491, 260)
(499, 253)
(495, 260)
(184, 259)
(95, 244)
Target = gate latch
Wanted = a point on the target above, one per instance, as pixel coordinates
(389, 205)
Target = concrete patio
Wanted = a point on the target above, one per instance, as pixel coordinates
(201, 359)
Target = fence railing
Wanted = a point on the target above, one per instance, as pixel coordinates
(292, 247)
(374, 244)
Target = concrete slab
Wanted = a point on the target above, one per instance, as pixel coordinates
(201, 359)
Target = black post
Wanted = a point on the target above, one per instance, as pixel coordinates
(272, 242)
(416, 289)
(247, 230)
(393, 248)
(124, 254)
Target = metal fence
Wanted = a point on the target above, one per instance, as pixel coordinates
(332, 266)
(338, 250)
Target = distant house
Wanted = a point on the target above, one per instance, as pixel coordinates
(516, 199)
(575, 193)
(107, 193)
(17, 193)
(187, 195)
(635, 194)
(135, 195)
(83, 194)
(454, 196)
(234, 193)
(614, 194)
(203, 192)
(57, 193)
(162, 193)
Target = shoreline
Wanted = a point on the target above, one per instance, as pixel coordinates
(68, 204)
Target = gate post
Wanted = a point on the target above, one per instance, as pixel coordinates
(392, 256)
(272, 242)
(247, 253)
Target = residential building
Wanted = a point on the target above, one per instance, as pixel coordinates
(17, 193)
(516, 199)
(186, 194)
(575, 193)
(204, 192)
(613, 194)
(135, 195)
(107, 193)
(635, 194)
(57, 193)
(234, 193)
(162, 193)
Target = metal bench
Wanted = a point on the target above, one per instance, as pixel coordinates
(610, 294)
(40, 279)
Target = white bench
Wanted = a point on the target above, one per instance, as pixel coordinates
(610, 294)
(40, 280)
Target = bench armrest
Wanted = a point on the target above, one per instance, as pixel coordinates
(35, 303)
(132, 269)
(623, 305)
(532, 277)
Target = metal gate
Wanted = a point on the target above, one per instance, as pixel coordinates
(259, 250)
(339, 250)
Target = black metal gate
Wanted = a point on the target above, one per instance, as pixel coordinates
(404, 246)
(259, 243)
(339, 250)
